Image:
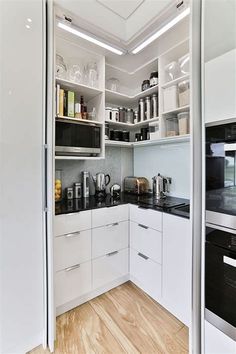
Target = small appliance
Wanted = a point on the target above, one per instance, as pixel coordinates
(136, 185)
(115, 191)
(161, 185)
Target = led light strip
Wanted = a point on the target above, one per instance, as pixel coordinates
(162, 30)
(89, 38)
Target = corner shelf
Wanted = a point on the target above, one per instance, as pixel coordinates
(130, 125)
(166, 140)
(177, 110)
(118, 98)
(87, 91)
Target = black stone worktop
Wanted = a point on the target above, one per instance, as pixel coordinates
(144, 201)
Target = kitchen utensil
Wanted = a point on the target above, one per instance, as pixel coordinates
(115, 191)
(85, 183)
(160, 186)
(136, 185)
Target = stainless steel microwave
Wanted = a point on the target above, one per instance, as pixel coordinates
(77, 138)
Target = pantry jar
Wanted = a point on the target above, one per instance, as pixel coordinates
(172, 126)
(184, 91)
(58, 185)
(183, 121)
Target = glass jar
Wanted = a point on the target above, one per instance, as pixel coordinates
(172, 126)
(115, 115)
(154, 105)
(108, 115)
(184, 93)
(172, 71)
(92, 74)
(58, 185)
(154, 78)
(113, 84)
(183, 120)
(145, 85)
(61, 68)
(130, 116)
(141, 109)
(122, 114)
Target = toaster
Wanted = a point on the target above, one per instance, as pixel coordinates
(136, 185)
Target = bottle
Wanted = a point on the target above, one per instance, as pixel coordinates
(82, 105)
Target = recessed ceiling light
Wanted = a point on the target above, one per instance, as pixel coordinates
(29, 20)
(27, 26)
(89, 38)
(162, 30)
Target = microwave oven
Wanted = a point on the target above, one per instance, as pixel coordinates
(77, 138)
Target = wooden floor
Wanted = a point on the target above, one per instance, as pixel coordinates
(123, 320)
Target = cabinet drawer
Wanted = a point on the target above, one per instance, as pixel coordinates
(147, 217)
(109, 268)
(146, 273)
(72, 249)
(72, 283)
(109, 238)
(146, 241)
(67, 223)
(105, 216)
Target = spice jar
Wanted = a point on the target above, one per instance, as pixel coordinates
(154, 78)
(145, 85)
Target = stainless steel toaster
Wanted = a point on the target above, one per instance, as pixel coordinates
(136, 185)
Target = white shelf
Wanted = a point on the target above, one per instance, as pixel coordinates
(130, 125)
(86, 121)
(84, 90)
(78, 158)
(122, 99)
(177, 110)
(176, 81)
(166, 140)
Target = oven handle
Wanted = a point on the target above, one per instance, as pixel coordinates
(221, 228)
(230, 261)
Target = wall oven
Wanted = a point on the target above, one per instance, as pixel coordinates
(220, 279)
(77, 138)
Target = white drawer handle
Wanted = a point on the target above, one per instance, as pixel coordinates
(143, 256)
(73, 234)
(112, 253)
(72, 268)
(229, 261)
(143, 226)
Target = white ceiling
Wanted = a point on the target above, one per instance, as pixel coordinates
(119, 21)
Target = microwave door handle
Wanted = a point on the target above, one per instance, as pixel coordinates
(230, 261)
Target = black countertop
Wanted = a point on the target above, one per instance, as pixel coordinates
(171, 205)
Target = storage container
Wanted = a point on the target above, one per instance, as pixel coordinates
(108, 113)
(154, 130)
(58, 185)
(170, 95)
(172, 71)
(183, 121)
(172, 126)
(184, 64)
(184, 93)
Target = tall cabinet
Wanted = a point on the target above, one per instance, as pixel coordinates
(22, 113)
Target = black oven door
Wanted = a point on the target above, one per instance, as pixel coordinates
(220, 279)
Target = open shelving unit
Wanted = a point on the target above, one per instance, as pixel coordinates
(130, 125)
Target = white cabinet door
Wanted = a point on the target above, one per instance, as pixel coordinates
(110, 267)
(72, 249)
(146, 217)
(177, 265)
(216, 342)
(145, 273)
(105, 216)
(220, 87)
(110, 238)
(72, 283)
(69, 223)
(146, 240)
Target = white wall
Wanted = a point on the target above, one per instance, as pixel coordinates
(171, 160)
(21, 138)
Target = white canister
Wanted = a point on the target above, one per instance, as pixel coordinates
(108, 115)
(115, 114)
(170, 98)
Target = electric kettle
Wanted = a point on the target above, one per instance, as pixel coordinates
(161, 185)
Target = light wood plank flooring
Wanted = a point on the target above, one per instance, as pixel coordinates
(123, 320)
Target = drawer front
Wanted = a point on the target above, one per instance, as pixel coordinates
(147, 217)
(110, 238)
(105, 216)
(147, 273)
(110, 267)
(72, 283)
(68, 223)
(146, 241)
(72, 249)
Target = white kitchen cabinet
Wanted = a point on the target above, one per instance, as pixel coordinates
(146, 217)
(145, 273)
(110, 267)
(72, 249)
(220, 87)
(110, 238)
(177, 265)
(146, 240)
(69, 223)
(106, 216)
(216, 342)
(72, 282)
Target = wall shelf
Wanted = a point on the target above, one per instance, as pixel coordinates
(166, 140)
(177, 110)
(85, 121)
(121, 99)
(176, 81)
(130, 125)
(68, 158)
(85, 90)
